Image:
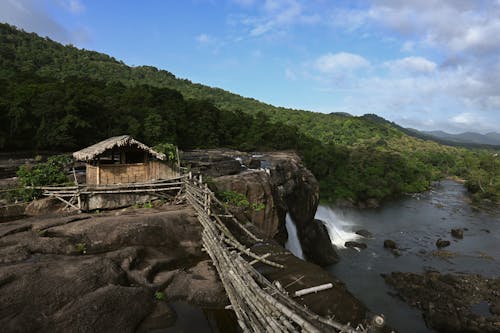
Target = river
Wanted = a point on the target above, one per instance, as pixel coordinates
(414, 223)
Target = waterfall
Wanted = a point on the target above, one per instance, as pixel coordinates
(293, 243)
(339, 229)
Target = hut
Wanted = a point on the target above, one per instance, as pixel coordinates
(124, 160)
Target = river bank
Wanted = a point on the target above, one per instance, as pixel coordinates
(414, 223)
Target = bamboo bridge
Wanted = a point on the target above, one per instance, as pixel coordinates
(259, 304)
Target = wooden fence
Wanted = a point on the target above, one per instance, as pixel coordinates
(72, 195)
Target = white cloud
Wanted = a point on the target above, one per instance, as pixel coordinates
(209, 42)
(204, 39)
(408, 46)
(290, 74)
(73, 6)
(338, 62)
(277, 16)
(464, 119)
(412, 65)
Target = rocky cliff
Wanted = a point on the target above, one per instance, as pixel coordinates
(277, 183)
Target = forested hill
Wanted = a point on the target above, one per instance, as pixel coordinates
(22, 52)
(28, 52)
(59, 97)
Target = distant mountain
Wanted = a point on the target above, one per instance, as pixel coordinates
(492, 138)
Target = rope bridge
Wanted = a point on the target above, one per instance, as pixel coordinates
(259, 305)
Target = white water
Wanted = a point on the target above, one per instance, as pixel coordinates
(293, 243)
(339, 229)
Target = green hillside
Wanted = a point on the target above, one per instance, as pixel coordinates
(59, 97)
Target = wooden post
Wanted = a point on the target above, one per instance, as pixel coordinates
(207, 200)
(77, 191)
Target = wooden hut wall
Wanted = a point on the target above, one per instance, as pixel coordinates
(161, 170)
(123, 173)
(91, 174)
(128, 173)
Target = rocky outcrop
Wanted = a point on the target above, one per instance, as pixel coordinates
(214, 162)
(451, 302)
(278, 180)
(316, 244)
(255, 185)
(277, 183)
(100, 272)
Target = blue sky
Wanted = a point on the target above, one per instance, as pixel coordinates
(427, 64)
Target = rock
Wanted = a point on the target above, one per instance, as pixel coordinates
(355, 244)
(449, 301)
(213, 162)
(94, 272)
(440, 243)
(286, 186)
(254, 163)
(495, 308)
(256, 187)
(12, 210)
(44, 206)
(316, 244)
(390, 244)
(365, 233)
(128, 306)
(396, 252)
(457, 233)
(162, 316)
(199, 285)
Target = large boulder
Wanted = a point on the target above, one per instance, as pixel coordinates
(255, 185)
(316, 244)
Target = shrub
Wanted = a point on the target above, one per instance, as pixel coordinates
(239, 200)
(49, 173)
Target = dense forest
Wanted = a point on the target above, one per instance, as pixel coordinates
(61, 98)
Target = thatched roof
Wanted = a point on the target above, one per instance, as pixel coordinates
(93, 151)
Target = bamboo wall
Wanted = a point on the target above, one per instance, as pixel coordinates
(128, 173)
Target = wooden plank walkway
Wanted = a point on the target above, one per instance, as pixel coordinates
(259, 305)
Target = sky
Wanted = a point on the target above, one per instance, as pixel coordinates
(426, 64)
